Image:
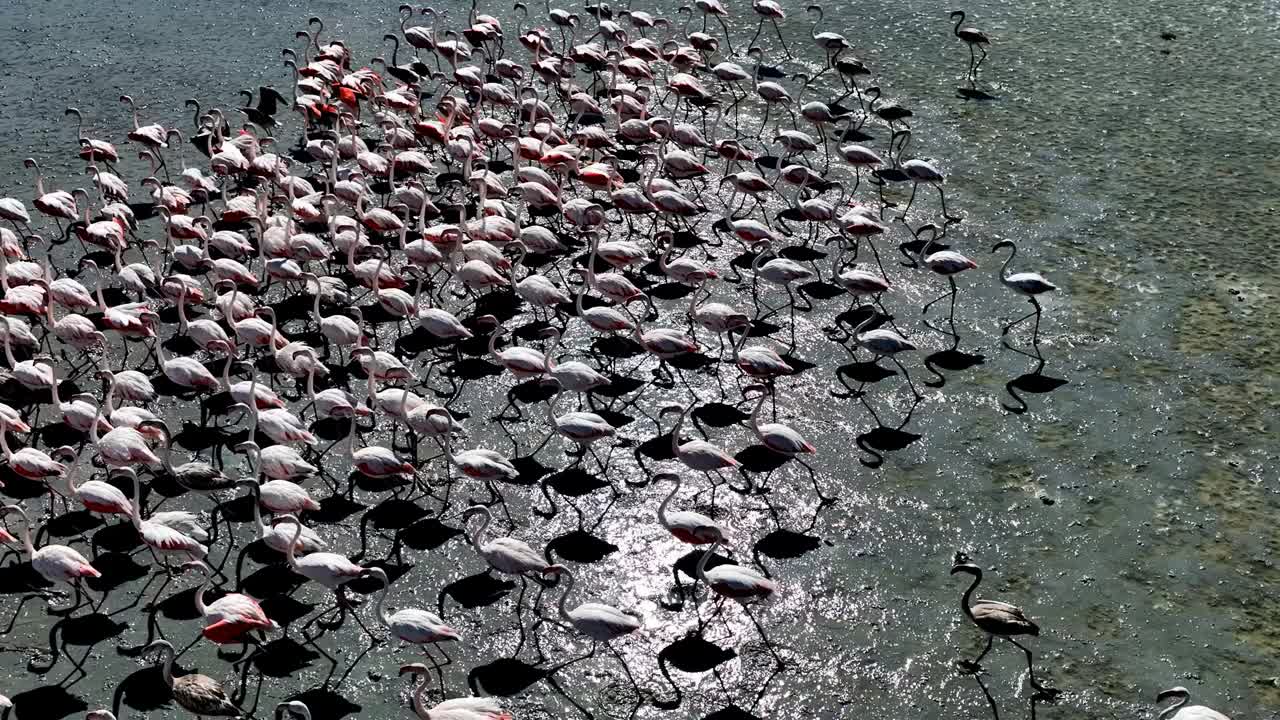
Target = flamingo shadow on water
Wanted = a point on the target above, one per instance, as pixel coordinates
(952, 359)
(85, 631)
(479, 590)
(179, 606)
(143, 690)
(691, 653)
(784, 544)
(48, 701)
(975, 93)
(1034, 382)
(734, 710)
(885, 438)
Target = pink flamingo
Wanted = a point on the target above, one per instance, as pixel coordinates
(230, 617)
(55, 563)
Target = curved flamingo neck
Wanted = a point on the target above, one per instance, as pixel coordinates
(253, 404)
(167, 447)
(737, 347)
(72, 485)
(311, 381)
(493, 340)
(486, 517)
(290, 553)
(315, 306)
(166, 665)
(94, 435)
(257, 512)
(419, 705)
(1004, 269)
(564, 598)
(183, 322)
(27, 545)
(226, 375)
(1173, 709)
(201, 607)
(701, 572)
(380, 609)
(755, 416)
(135, 507)
(662, 509)
(866, 321)
(968, 594)
(675, 433)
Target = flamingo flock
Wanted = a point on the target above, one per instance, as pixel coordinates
(481, 274)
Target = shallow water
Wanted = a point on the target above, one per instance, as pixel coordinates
(1129, 511)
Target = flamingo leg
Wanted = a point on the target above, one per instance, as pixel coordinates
(759, 27)
(912, 199)
(1034, 313)
(974, 663)
(640, 694)
(907, 375)
(942, 196)
(763, 636)
(778, 30)
(1031, 669)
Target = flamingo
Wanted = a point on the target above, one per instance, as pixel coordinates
(523, 362)
(330, 570)
(55, 563)
(59, 204)
(276, 423)
(279, 535)
(975, 39)
(413, 625)
(1181, 710)
(884, 343)
(471, 708)
(159, 537)
(230, 617)
(95, 495)
(28, 462)
(739, 583)
(186, 372)
(698, 455)
(583, 428)
(1027, 284)
(598, 622)
(947, 263)
(277, 496)
(996, 619)
(122, 446)
(195, 693)
(687, 526)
